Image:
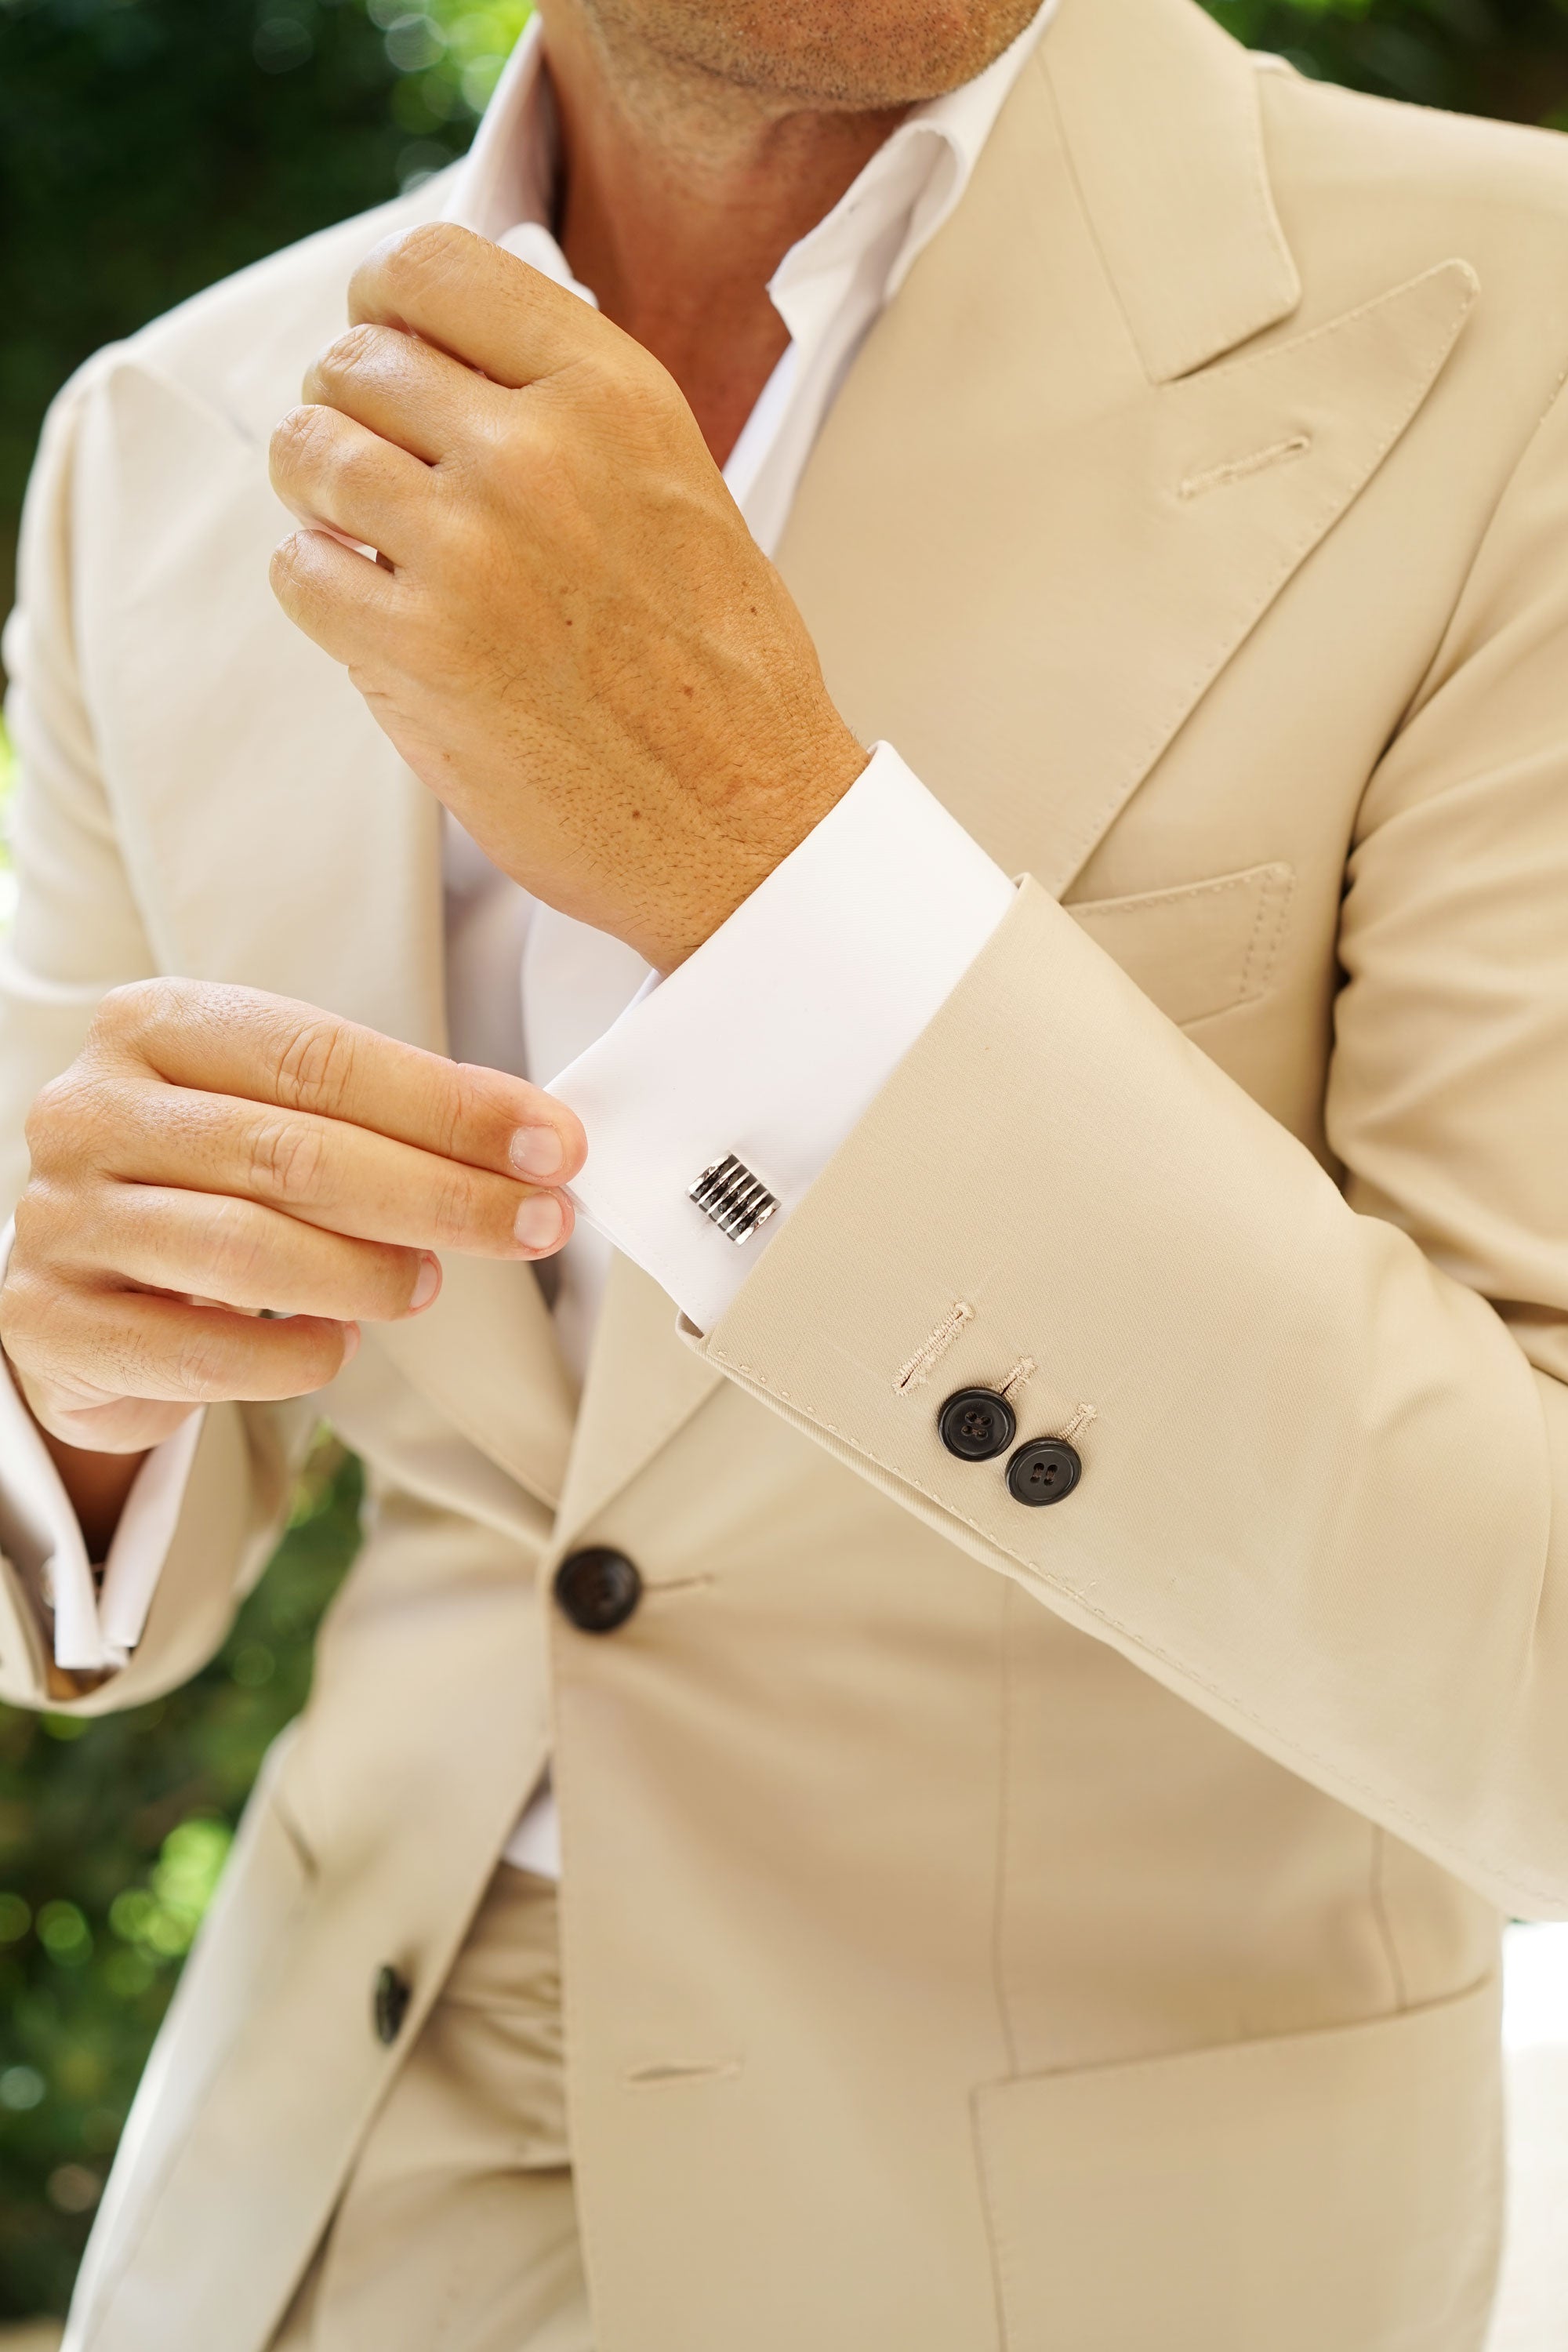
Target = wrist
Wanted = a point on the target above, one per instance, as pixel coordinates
(99, 1486)
(748, 837)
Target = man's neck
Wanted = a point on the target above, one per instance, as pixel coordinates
(680, 195)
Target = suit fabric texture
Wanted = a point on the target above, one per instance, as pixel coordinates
(1067, 1930)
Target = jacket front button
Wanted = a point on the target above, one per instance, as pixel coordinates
(389, 2003)
(597, 1588)
(1043, 1471)
(976, 1424)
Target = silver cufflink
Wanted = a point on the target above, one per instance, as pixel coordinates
(736, 1200)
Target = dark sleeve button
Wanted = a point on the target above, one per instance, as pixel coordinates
(1043, 1471)
(389, 2003)
(597, 1588)
(976, 1424)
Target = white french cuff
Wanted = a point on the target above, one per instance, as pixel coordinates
(767, 1046)
(96, 1625)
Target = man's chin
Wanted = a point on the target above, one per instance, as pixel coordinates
(855, 54)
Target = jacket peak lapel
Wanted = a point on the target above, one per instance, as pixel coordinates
(1252, 464)
(1022, 560)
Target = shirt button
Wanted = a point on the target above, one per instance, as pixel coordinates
(389, 2003)
(1043, 1471)
(598, 1589)
(976, 1424)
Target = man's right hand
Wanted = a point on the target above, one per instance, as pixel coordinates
(215, 1158)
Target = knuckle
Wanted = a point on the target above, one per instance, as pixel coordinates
(134, 1008)
(290, 572)
(285, 1158)
(37, 1222)
(27, 1222)
(317, 452)
(66, 1127)
(614, 365)
(233, 1254)
(25, 1302)
(460, 1111)
(454, 1209)
(203, 1368)
(346, 357)
(53, 1110)
(420, 255)
(296, 440)
(350, 465)
(316, 1064)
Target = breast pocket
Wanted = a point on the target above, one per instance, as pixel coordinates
(1199, 948)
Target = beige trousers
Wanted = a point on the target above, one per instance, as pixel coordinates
(457, 2232)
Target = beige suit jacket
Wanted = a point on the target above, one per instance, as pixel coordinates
(1072, 1930)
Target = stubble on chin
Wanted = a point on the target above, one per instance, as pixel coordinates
(838, 55)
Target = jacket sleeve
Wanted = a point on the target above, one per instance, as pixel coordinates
(1324, 1429)
(76, 933)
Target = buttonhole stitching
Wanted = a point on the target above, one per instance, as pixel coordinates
(642, 2078)
(1018, 1377)
(933, 1349)
(1324, 511)
(1238, 469)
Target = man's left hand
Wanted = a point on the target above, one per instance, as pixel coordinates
(570, 635)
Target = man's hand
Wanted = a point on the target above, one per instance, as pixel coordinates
(215, 1158)
(571, 636)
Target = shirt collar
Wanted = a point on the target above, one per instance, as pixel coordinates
(918, 176)
(915, 179)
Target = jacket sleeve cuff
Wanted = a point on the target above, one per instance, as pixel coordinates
(771, 1043)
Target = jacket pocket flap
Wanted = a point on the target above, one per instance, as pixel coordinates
(1202, 947)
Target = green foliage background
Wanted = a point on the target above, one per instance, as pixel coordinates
(112, 1837)
(146, 148)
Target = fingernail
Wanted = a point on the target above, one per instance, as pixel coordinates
(427, 1283)
(538, 1221)
(536, 1151)
(350, 1343)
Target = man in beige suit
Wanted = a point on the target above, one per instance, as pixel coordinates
(1053, 1664)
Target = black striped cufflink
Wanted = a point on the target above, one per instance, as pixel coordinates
(736, 1200)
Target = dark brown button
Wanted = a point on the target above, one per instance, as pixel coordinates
(597, 1588)
(976, 1424)
(389, 2003)
(1043, 1471)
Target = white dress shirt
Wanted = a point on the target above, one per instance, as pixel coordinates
(744, 1049)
